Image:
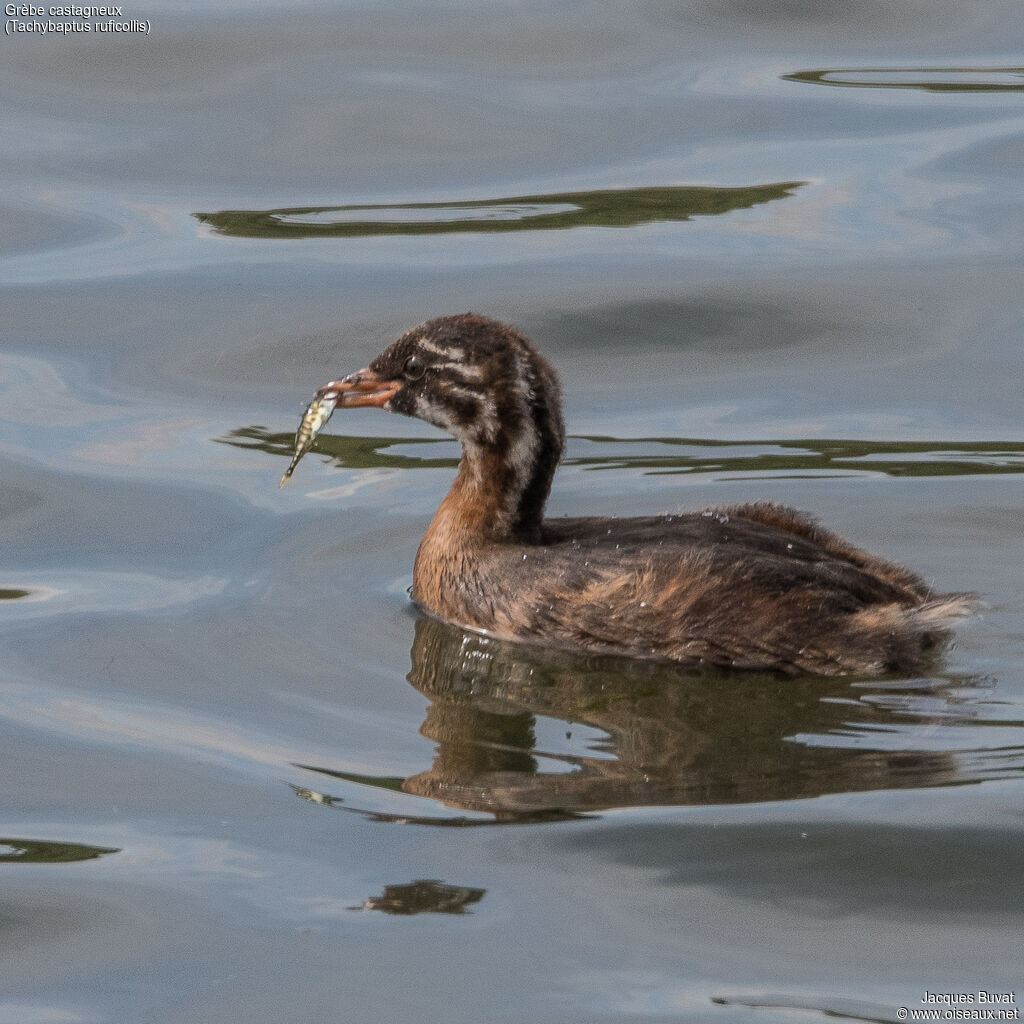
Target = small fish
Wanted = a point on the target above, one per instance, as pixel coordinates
(313, 421)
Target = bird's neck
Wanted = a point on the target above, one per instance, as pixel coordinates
(498, 497)
(500, 491)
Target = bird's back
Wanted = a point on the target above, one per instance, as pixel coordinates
(751, 586)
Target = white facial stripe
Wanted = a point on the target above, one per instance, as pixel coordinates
(465, 372)
(452, 352)
(487, 409)
(461, 392)
(431, 412)
(437, 413)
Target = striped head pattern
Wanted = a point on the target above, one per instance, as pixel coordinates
(486, 385)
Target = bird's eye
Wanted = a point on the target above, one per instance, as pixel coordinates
(414, 368)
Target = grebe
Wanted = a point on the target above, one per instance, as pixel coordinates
(754, 586)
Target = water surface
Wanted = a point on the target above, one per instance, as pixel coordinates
(774, 253)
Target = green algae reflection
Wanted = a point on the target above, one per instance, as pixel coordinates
(608, 208)
(956, 79)
(42, 851)
(669, 455)
(425, 896)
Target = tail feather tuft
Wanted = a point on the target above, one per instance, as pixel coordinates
(895, 638)
(944, 612)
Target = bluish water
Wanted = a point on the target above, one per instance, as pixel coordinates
(773, 251)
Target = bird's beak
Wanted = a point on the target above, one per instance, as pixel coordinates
(364, 387)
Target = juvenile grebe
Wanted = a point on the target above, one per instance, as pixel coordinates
(755, 586)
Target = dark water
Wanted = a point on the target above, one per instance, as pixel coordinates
(774, 251)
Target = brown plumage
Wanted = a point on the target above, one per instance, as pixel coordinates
(754, 586)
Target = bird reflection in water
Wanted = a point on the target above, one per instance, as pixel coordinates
(632, 734)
